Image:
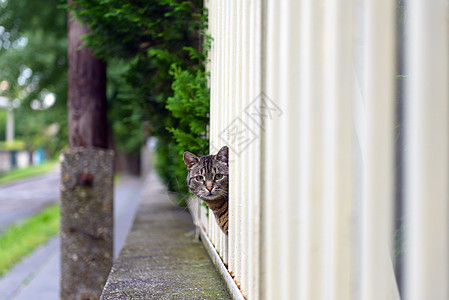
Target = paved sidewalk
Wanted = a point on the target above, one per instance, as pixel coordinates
(37, 276)
(161, 258)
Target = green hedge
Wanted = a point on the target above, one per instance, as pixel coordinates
(157, 82)
(15, 145)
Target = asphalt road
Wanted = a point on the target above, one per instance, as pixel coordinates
(37, 276)
(26, 197)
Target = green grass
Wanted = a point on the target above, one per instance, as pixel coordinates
(20, 240)
(117, 177)
(18, 174)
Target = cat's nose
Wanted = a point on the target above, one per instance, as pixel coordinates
(209, 186)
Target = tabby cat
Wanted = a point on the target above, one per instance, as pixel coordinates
(208, 180)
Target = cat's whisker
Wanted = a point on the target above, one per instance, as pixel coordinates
(188, 200)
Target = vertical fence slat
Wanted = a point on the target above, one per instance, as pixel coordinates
(287, 157)
(339, 181)
(255, 197)
(427, 148)
(214, 89)
(225, 244)
(242, 79)
(311, 116)
(377, 276)
(273, 284)
(236, 61)
(214, 86)
(282, 160)
(230, 109)
(218, 11)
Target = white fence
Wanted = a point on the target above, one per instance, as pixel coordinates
(304, 94)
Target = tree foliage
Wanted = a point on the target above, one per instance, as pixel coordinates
(153, 50)
(33, 46)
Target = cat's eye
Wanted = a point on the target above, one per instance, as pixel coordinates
(218, 176)
(200, 178)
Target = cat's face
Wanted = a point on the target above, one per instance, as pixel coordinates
(208, 175)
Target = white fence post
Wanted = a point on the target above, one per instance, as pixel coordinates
(255, 77)
(339, 152)
(272, 187)
(427, 151)
(311, 151)
(377, 143)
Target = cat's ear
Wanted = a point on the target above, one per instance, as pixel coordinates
(190, 159)
(223, 154)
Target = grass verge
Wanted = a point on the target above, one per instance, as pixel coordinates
(18, 174)
(20, 240)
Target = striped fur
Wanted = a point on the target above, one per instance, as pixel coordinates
(208, 180)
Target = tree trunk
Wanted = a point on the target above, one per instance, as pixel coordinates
(30, 157)
(87, 171)
(128, 163)
(87, 93)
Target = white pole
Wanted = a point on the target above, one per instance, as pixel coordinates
(427, 151)
(377, 275)
(255, 198)
(339, 152)
(10, 125)
(273, 283)
(311, 152)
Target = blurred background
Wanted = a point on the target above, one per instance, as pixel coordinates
(156, 88)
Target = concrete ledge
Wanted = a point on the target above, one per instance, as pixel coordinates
(161, 258)
(232, 286)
